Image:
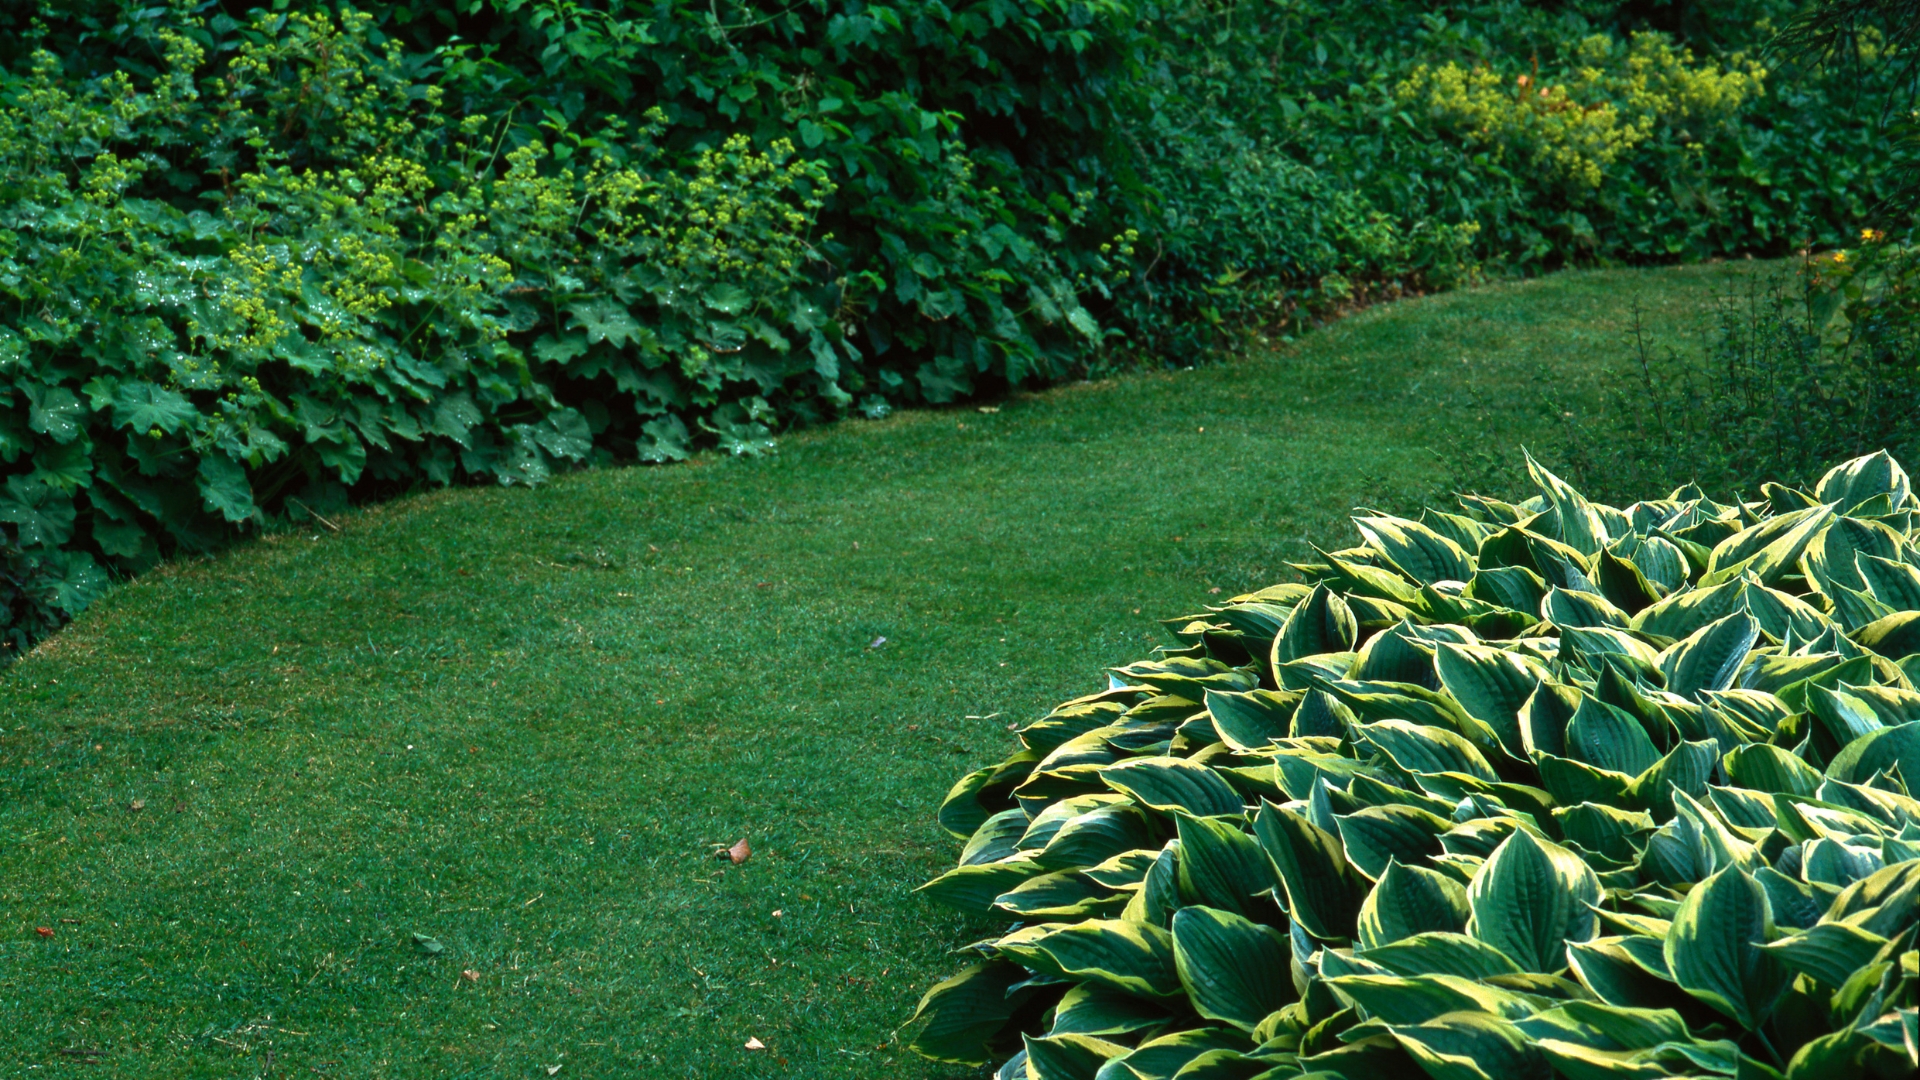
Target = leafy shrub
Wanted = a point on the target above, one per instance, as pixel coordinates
(967, 144)
(1244, 237)
(1548, 788)
(172, 375)
(1433, 116)
(1799, 372)
(1616, 99)
(249, 267)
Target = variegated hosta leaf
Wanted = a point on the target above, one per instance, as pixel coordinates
(1545, 788)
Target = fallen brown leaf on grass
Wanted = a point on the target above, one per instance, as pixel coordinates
(740, 852)
(755, 1044)
(43, 931)
(470, 975)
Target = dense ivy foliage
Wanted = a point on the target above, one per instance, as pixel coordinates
(1540, 789)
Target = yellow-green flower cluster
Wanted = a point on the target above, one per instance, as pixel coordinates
(1615, 99)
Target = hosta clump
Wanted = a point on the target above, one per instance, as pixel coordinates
(1548, 788)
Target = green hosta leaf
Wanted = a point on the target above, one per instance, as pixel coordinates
(1415, 550)
(1606, 830)
(1882, 903)
(1821, 671)
(1088, 1009)
(1170, 784)
(1440, 952)
(1768, 549)
(1159, 894)
(1491, 685)
(1894, 637)
(1895, 584)
(996, 838)
(1048, 822)
(1592, 644)
(1661, 562)
(1531, 899)
(1253, 719)
(1376, 835)
(973, 889)
(1322, 623)
(1060, 896)
(1608, 738)
(1622, 583)
(1222, 866)
(1685, 768)
(1606, 1027)
(1545, 715)
(1133, 957)
(1363, 580)
(1419, 749)
(1605, 966)
(1578, 1061)
(1684, 612)
(961, 812)
(1514, 587)
(1400, 701)
(1395, 999)
(1401, 653)
(1234, 970)
(1094, 837)
(1846, 716)
(1854, 609)
(1829, 862)
(1894, 809)
(1070, 1056)
(1781, 615)
(1473, 1046)
(1577, 523)
(1572, 782)
(1846, 1055)
(1714, 947)
(966, 1012)
(1162, 1058)
(1853, 482)
(1725, 848)
(1411, 900)
(1308, 672)
(1829, 953)
(1771, 769)
(1711, 656)
(1882, 750)
(1324, 893)
(1834, 556)
(1576, 607)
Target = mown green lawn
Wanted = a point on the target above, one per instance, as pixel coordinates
(519, 722)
